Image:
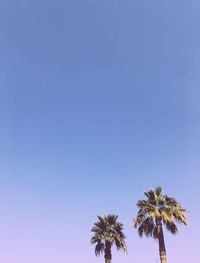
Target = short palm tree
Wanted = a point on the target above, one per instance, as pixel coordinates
(154, 212)
(108, 232)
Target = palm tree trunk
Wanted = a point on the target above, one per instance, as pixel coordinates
(108, 255)
(162, 250)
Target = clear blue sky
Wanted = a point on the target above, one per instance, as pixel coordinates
(99, 101)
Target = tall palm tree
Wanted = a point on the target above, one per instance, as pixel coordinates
(108, 232)
(154, 212)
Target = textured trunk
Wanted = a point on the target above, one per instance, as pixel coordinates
(162, 250)
(108, 255)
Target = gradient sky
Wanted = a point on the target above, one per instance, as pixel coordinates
(99, 101)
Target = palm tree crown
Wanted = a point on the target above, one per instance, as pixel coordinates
(158, 207)
(108, 232)
(154, 212)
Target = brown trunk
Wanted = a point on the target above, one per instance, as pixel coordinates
(108, 255)
(162, 250)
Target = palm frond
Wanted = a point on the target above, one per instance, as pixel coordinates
(99, 248)
(158, 207)
(158, 191)
(108, 231)
(172, 227)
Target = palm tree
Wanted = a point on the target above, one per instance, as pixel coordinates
(154, 212)
(108, 232)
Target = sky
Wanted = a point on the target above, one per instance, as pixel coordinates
(99, 102)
